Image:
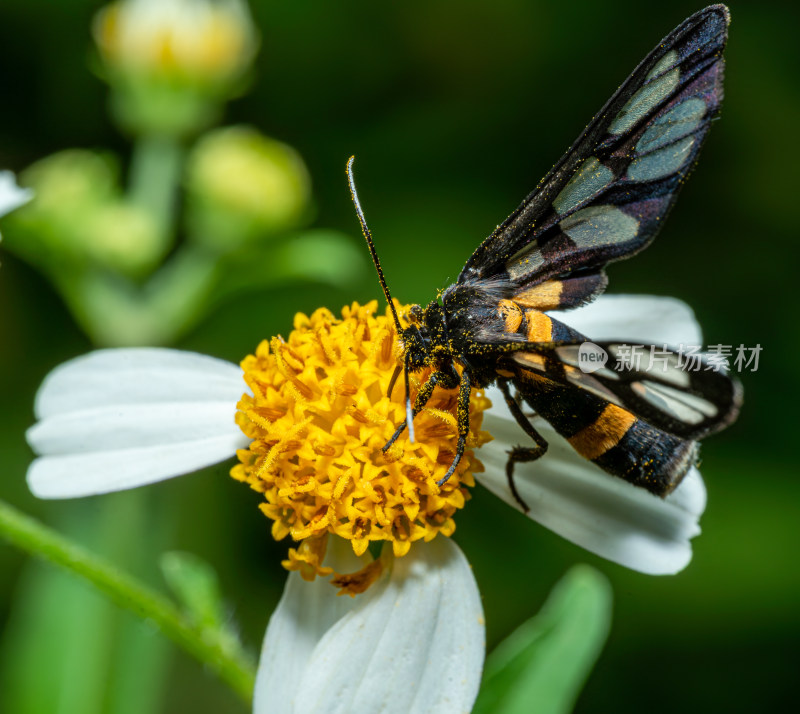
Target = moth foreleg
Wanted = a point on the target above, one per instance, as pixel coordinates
(462, 417)
(423, 395)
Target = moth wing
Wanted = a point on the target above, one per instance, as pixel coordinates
(688, 403)
(607, 196)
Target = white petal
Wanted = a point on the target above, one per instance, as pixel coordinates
(117, 419)
(415, 646)
(137, 376)
(132, 425)
(91, 473)
(11, 195)
(597, 511)
(645, 319)
(304, 614)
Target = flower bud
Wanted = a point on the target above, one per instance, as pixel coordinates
(243, 186)
(170, 62)
(77, 212)
(122, 236)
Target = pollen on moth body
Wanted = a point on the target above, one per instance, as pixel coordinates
(319, 416)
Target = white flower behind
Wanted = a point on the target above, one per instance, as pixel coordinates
(11, 195)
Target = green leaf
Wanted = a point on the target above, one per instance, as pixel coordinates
(318, 255)
(194, 582)
(541, 667)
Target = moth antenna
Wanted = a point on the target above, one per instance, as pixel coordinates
(365, 230)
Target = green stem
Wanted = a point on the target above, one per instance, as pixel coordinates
(155, 175)
(117, 314)
(205, 644)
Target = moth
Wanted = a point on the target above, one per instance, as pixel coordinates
(604, 200)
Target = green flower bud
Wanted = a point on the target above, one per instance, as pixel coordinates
(244, 186)
(77, 212)
(67, 182)
(123, 237)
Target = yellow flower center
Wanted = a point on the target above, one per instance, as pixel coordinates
(319, 417)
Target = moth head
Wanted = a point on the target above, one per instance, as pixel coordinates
(415, 346)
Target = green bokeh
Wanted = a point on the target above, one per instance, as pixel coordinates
(455, 110)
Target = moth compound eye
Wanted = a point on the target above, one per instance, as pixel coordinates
(414, 314)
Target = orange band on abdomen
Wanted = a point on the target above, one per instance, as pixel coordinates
(605, 433)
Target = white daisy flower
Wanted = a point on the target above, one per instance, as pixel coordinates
(308, 434)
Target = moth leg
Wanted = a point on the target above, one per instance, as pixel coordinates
(462, 415)
(424, 394)
(521, 454)
(519, 416)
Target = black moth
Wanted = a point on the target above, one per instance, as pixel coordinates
(603, 201)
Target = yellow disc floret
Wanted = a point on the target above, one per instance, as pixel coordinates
(319, 416)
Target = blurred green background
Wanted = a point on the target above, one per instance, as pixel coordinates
(454, 111)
